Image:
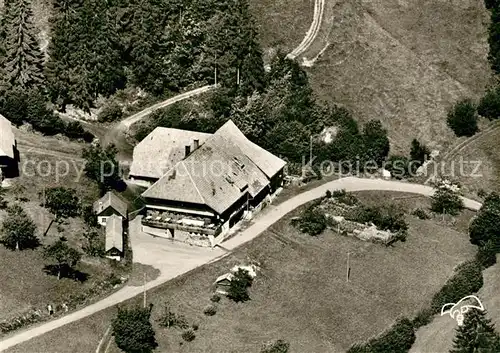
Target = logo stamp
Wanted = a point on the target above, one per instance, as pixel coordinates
(457, 310)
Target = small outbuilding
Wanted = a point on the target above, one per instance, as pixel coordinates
(223, 282)
(114, 237)
(108, 205)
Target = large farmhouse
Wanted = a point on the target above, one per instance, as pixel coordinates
(160, 151)
(8, 149)
(202, 196)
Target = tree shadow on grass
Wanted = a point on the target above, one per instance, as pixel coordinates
(66, 272)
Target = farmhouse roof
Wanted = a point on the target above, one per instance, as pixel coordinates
(7, 140)
(110, 199)
(265, 160)
(217, 174)
(161, 150)
(114, 233)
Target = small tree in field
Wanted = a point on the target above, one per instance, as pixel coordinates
(462, 118)
(133, 331)
(446, 200)
(238, 289)
(63, 255)
(18, 230)
(62, 203)
(477, 334)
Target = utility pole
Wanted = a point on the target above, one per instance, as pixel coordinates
(144, 290)
(348, 270)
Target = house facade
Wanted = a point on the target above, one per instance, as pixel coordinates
(108, 205)
(9, 155)
(205, 194)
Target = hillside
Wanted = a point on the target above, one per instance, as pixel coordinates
(404, 62)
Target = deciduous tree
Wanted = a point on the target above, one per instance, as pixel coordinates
(18, 230)
(63, 255)
(133, 331)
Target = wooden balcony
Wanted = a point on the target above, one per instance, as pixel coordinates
(215, 230)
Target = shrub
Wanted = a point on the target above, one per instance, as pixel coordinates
(489, 105)
(188, 335)
(462, 118)
(278, 346)
(238, 289)
(419, 153)
(171, 319)
(312, 221)
(345, 197)
(468, 279)
(339, 193)
(481, 193)
(215, 298)
(75, 130)
(111, 112)
(210, 310)
(420, 213)
(328, 194)
(398, 166)
(398, 339)
(195, 327)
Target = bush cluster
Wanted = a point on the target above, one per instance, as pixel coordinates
(171, 319)
(110, 113)
(312, 221)
(467, 279)
(387, 218)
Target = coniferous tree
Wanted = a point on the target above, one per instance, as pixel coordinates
(23, 62)
(476, 335)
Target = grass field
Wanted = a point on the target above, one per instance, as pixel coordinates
(301, 294)
(402, 62)
(43, 162)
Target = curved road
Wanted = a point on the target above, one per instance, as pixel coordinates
(312, 32)
(263, 221)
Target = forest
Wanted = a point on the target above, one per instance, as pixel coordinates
(163, 47)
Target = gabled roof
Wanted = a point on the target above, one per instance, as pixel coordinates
(265, 160)
(110, 199)
(217, 174)
(114, 233)
(7, 140)
(161, 150)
